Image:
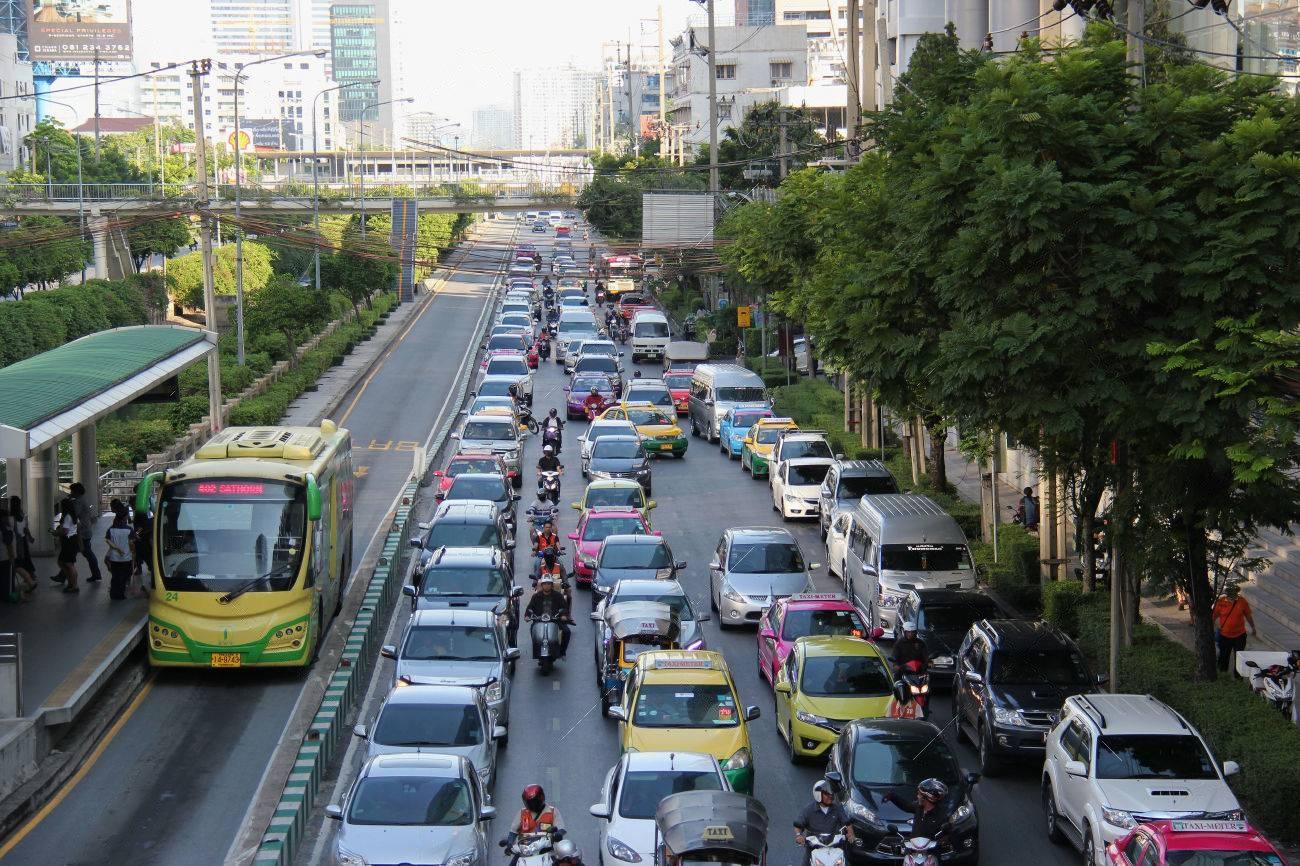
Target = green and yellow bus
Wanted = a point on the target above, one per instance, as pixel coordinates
(252, 547)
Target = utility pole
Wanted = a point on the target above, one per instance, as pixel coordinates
(867, 71)
(781, 151)
(198, 69)
(633, 117)
(96, 105)
(853, 106)
(715, 184)
(663, 73)
(1136, 53)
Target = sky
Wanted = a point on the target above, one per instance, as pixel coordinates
(466, 51)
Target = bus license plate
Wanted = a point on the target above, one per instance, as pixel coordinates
(226, 660)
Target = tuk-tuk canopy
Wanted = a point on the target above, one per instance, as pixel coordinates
(697, 821)
(651, 618)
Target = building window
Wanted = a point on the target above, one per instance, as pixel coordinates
(793, 16)
(782, 71)
(726, 71)
(818, 15)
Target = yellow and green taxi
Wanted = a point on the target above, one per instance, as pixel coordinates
(658, 429)
(825, 683)
(759, 443)
(686, 701)
(615, 493)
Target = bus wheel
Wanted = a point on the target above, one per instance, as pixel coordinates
(317, 626)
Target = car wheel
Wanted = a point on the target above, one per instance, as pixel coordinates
(958, 731)
(713, 600)
(990, 764)
(789, 739)
(695, 429)
(1050, 815)
(1089, 847)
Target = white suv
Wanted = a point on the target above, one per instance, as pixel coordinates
(797, 486)
(1114, 761)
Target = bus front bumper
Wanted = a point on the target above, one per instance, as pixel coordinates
(286, 644)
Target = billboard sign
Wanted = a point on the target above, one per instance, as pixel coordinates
(79, 29)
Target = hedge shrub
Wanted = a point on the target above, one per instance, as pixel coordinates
(1238, 725)
(46, 320)
(1061, 603)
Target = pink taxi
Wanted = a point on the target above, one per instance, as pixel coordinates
(804, 615)
(594, 526)
(1193, 841)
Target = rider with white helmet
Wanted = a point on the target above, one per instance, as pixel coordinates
(822, 816)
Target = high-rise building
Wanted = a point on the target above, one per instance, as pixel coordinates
(17, 116)
(494, 128)
(359, 42)
(755, 13)
(13, 20)
(555, 107)
(253, 26)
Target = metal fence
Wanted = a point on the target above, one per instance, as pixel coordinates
(295, 189)
(11, 675)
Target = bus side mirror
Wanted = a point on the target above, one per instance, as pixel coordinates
(313, 498)
(144, 491)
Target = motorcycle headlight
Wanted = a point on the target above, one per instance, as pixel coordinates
(963, 812)
(731, 595)
(811, 718)
(344, 857)
(1008, 717)
(941, 662)
(494, 692)
(1118, 818)
(620, 850)
(697, 644)
(738, 761)
(863, 814)
(465, 858)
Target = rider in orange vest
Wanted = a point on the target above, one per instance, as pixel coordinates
(537, 816)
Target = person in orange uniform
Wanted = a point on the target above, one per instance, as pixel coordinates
(537, 816)
(1231, 615)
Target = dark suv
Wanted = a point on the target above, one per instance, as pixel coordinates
(943, 617)
(1012, 678)
(478, 578)
(461, 523)
(847, 482)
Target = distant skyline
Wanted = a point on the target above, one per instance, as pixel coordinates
(462, 56)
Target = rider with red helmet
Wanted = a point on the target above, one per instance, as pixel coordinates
(537, 816)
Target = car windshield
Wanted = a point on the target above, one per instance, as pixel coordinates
(490, 487)
(858, 486)
(675, 600)
(462, 465)
(955, 618)
(1153, 756)
(505, 341)
(648, 417)
(685, 705)
(455, 581)
(678, 383)
(492, 430)
(902, 763)
(924, 557)
(574, 327)
(509, 366)
(600, 528)
(220, 534)
(643, 790)
(618, 449)
(602, 363)
(650, 329)
(446, 533)
(767, 435)
(583, 385)
(656, 395)
(859, 676)
(746, 394)
(745, 420)
(1029, 666)
(620, 428)
(810, 623)
(805, 448)
(428, 725)
(810, 473)
(452, 642)
(1221, 858)
(774, 557)
(411, 801)
(635, 556)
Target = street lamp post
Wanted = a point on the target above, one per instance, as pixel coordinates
(364, 109)
(81, 189)
(315, 169)
(239, 232)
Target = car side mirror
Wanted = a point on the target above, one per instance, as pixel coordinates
(1076, 768)
(514, 497)
(877, 633)
(651, 504)
(600, 810)
(839, 456)
(617, 713)
(679, 564)
(388, 651)
(708, 402)
(334, 812)
(766, 632)
(437, 473)
(814, 566)
(408, 591)
(748, 440)
(868, 571)
(714, 565)
(510, 545)
(360, 731)
(972, 779)
(1231, 768)
(416, 543)
(974, 678)
(595, 616)
(782, 687)
(512, 653)
(834, 777)
(751, 713)
(572, 536)
(516, 592)
(499, 733)
(487, 813)
(575, 506)
(454, 436)
(704, 617)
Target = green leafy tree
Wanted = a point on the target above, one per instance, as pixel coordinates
(45, 249)
(284, 306)
(185, 274)
(756, 141)
(612, 201)
(361, 268)
(163, 237)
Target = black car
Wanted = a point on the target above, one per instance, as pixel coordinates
(463, 523)
(1013, 677)
(873, 757)
(485, 486)
(943, 617)
(477, 578)
(632, 557)
(620, 457)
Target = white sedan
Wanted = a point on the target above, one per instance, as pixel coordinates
(632, 791)
(796, 486)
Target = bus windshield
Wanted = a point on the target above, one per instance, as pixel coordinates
(216, 534)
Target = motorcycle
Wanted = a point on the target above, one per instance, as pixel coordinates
(533, 356)
(1276, 683)
(593, 409)
(548, 485)
(531, 849)
(911, 693)
(826, 849)
(526, 419)
(600, 295)
(546, 635)
(552, 436)
(539, 517)
(544, 349)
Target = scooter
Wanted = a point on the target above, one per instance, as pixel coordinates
(526, 418)
(911, 693)
(594, 410)
(827, 849)
(920, 851)
(531, 849)
(552, 436)
(544, 348)
(1276, 683)
(546, 642)
(548, 485)
(539, 517)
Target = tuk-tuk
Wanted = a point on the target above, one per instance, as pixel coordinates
(711, 827)
(630, 629)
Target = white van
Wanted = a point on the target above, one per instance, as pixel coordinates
(649, 335)
(897, 542)
(715, 388)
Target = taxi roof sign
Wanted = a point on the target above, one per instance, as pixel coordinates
(1209, 826)
(662, 664)
(818, 596)
(717, 833)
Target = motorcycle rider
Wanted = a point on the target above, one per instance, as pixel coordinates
(520, 401)
(548, 461)
(910, 648)
(593, 403)
(822, 816)
(566, 853)
(930, 816)
(547, 602)
(537, 816)
(550, 567)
